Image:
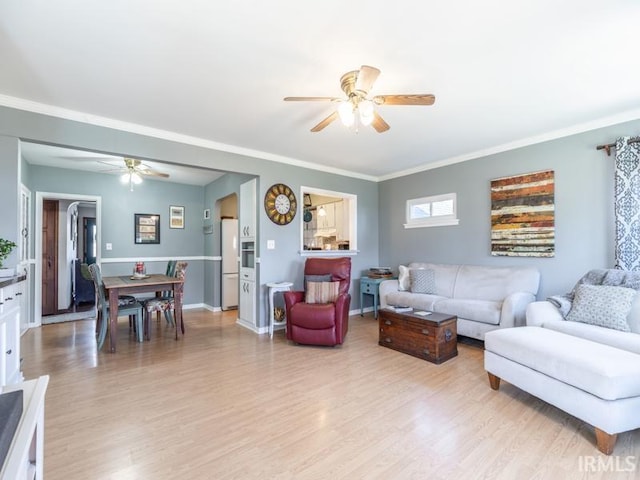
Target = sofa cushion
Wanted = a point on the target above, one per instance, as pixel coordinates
(322, 292)
(404, 281)
(624, 340)
(604, 371)
(422, 280)
(483, 311)
(602, 305)
(495, 283)
(419, 301)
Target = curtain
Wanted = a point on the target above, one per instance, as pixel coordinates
(627, 204)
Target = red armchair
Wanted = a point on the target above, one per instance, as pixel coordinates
(320, 323)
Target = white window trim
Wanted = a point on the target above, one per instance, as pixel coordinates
(440, 221)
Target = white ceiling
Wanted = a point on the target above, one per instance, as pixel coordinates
(505, 74)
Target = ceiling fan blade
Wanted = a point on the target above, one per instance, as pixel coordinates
(311, 99)
(366, 77)
(413, 99)
(325, 122)
(379, 124)
(153, 173)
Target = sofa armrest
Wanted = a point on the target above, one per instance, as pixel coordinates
(384, 288)
(540, 312)
(514, 308)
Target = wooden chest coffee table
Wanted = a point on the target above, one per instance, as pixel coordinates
(431, 337)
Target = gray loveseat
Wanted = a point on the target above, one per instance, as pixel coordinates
(483, 298)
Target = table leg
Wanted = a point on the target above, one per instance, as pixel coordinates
(177, 298)
(375, 305)
(361, 304)
(113, 319)
(271, 315)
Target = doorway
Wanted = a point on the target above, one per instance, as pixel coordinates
(89, 231)
(229, 271)
(49, 257)
(58, 218)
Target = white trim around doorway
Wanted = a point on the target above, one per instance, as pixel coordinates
(40, 197)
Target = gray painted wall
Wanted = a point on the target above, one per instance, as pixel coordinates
(284, 262)
(9, 188)
(584, 179)
(118, 208)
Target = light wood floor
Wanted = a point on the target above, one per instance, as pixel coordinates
(224, 403)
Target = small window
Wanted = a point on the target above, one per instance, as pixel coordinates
(434, 211)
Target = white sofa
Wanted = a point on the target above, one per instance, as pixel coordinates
(483, 298)
(589, 371)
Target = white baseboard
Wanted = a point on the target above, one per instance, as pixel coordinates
(192, 306)
(357, 312)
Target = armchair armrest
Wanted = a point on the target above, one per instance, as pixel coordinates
(514, 309)
(540, 312)
(291, 298)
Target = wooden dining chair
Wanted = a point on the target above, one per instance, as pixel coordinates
(164, 303)
(127, 305)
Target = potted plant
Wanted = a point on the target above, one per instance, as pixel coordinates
(6, 247)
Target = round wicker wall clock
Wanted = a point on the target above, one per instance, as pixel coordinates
(280, 204)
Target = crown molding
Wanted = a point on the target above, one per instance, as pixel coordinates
(58, 112)
(627, 116)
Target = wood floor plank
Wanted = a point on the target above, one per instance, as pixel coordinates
(225, 403)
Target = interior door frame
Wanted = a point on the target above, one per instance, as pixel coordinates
(40, 196)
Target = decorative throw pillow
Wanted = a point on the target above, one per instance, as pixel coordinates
(404, 282)
(322, 292)
(422, 280)
(602, 305)
(316, 278)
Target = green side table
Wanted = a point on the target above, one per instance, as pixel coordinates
(370, 286)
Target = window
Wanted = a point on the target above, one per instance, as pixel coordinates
(434, 211)
(329, 222)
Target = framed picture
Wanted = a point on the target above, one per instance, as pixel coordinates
(146, 228)
(176, 217)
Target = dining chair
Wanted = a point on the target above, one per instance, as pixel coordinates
(165, 303)
(127, 305)
(158, 303)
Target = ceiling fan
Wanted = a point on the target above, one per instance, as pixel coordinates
(358, 107)
(134, 170)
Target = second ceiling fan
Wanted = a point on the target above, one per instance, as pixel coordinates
(358, 106)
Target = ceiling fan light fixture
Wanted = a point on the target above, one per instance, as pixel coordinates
(346, 113)
(365, 108)
(131, 177)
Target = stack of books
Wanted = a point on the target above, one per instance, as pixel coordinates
(380, 272)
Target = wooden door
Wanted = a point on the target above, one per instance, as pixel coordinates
(49, 257)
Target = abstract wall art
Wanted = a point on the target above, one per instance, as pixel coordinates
(523, 215)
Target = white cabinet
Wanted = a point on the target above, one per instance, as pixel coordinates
(248, 221)
(248, 209)
(11, 291)
(25, 455)
(247, 311)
